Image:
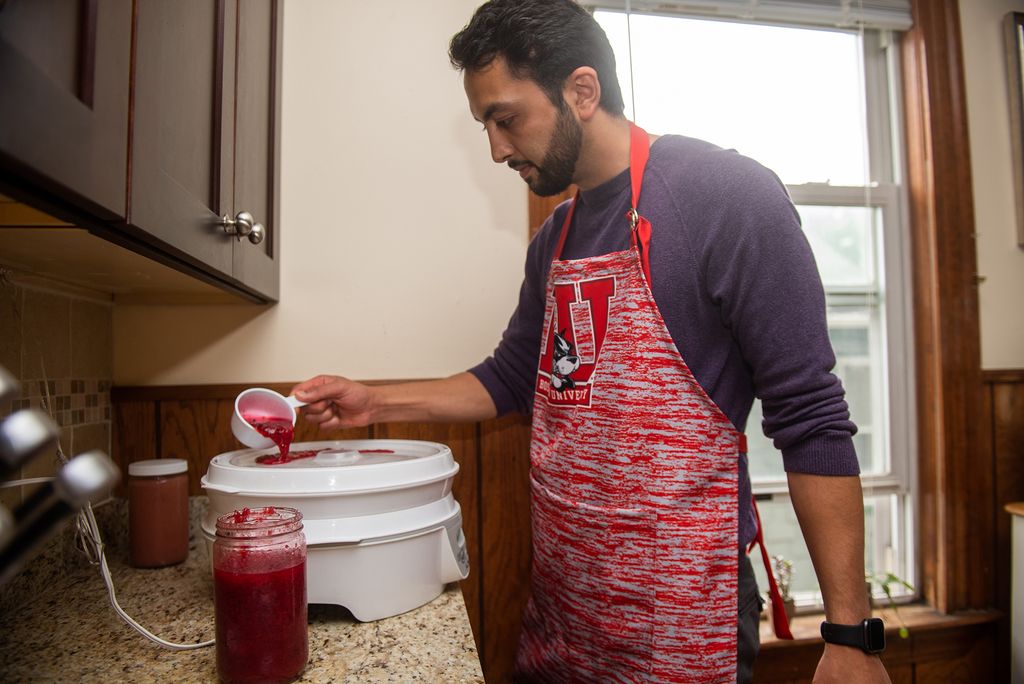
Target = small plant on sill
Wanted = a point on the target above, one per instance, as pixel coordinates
(782, 568)
(886, 581)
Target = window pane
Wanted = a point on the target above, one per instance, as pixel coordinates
(884, 517)
(791, 98)
(780, 524)
(856, 337)
(765, 462)
(850, 342)
(842, 239)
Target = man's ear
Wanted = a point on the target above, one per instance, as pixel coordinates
(583, 92)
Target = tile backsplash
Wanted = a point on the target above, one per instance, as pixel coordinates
(69, 402)
(58, 344)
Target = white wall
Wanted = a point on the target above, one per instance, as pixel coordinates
(1000, 260)
(402, 242)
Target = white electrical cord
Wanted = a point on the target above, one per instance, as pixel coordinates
(89, 541)
(88, 534)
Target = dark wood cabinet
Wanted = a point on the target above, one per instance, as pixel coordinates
(204, 144)
(146, 122)
(258, 120)
(64, 82)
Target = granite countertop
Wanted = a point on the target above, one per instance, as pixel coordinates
(65, 630)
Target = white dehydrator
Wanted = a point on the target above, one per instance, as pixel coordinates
(383, 531)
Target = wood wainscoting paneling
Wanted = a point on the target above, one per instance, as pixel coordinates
(1003, 399)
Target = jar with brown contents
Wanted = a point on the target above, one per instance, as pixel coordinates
(158, 518)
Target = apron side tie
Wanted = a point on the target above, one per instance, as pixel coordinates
(780, 622)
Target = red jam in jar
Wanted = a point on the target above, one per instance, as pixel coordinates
(259, 587)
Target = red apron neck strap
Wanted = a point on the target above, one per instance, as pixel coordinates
(565, 226)
(639, 227)
(639, 152)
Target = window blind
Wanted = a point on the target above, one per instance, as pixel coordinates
(872, 14)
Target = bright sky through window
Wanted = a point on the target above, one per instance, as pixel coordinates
(805, 134)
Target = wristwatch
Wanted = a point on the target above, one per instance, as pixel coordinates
(868, 636)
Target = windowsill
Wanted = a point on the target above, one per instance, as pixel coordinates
(916, 617)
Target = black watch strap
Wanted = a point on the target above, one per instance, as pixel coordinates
(868, 636)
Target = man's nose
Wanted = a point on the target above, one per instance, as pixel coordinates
(501, 150)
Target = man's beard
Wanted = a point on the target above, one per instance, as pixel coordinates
(555, 172)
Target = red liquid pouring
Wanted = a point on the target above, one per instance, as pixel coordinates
(280, 431)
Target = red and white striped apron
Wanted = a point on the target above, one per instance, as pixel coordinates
(634, 485)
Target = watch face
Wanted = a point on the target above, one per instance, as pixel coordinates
(874, 635)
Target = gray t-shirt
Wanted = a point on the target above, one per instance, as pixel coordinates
(736, 282)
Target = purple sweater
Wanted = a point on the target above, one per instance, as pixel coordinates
(737, 285)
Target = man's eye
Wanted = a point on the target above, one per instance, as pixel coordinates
(504, 123)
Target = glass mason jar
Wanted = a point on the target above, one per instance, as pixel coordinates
(158, 512)
(259, 588)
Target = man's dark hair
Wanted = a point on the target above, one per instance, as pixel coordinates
(542, 40)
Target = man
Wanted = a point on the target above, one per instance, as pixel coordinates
(676, 287)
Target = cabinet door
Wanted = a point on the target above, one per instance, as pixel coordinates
(183, 115)
(206, 134)
(64, 81)
(257, 139)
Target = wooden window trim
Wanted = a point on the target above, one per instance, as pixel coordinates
(954, 494)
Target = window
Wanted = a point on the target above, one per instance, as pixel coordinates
(816, 105)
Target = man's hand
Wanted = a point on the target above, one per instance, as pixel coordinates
(846, 665)
(334, 402)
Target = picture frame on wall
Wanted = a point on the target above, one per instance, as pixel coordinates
(1013, 26)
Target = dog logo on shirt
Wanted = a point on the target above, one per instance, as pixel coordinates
(563, 364)
(575, 325)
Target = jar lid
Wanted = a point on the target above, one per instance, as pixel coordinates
(157, 466)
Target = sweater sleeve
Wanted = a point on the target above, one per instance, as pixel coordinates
(760, 271)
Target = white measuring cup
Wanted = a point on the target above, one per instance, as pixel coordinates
(259, 404)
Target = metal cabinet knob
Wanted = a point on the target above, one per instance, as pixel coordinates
(257, 234)
(244, 225)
